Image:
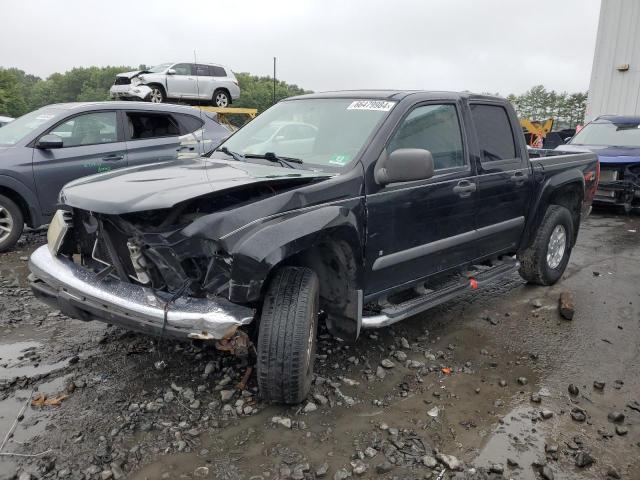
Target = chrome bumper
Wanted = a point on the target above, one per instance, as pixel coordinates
(77, 293)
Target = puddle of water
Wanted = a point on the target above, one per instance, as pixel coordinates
(20, 359)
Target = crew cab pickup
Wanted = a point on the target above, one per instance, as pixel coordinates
(385, 204)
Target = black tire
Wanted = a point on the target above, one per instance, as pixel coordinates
(221, 98)
(157, 94)
(11, 218)
(287, 335)
(534, 265)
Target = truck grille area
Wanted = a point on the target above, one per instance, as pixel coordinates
(167, 261)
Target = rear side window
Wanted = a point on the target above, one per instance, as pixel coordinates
(495, 136)
(203, 70)
(435, 128)
(218, 71)
(188, 123)
(151, 125)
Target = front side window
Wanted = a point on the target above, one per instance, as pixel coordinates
(325, 133)
(494, 132)
(151, 125)
(182, 69)
(435, 128)
(611, 134)
(88, 129)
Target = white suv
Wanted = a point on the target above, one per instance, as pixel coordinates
(181, 81)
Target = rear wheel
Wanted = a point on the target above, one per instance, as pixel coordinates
(545, 260)
(287, 335)
(221, 98)
(11, 223)
(157, 95)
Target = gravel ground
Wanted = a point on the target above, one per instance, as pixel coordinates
(496, 384)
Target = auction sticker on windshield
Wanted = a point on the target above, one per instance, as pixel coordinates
(377, 105)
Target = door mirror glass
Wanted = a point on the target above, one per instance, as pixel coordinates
(50, 141)
(171, 71)
(405, 165)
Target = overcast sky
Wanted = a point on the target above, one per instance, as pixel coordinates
(479, 45)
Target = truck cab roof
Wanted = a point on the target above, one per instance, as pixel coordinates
(397, 95)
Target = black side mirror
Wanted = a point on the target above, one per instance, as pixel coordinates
(405, 165)
(49, 141)
(566, 140)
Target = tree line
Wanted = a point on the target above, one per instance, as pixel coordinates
(21, 92)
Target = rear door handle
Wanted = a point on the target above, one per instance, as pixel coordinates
(464, 188)
(519, 178)
(113, 157)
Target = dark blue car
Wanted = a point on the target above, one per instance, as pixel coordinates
(47, 148)
(616, 141)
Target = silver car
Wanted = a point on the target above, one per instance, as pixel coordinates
(179, 81)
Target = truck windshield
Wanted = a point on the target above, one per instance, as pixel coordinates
(325, 133)
(609, 134)
(15, 131)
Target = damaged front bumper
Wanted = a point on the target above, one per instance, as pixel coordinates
(77, 292)
(139, 92)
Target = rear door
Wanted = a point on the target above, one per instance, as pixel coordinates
(182, 84)
(205, 81)
(504, 178)
(92, 143)
(419, 228)
(150, 136)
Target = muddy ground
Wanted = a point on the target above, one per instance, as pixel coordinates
(504, 409)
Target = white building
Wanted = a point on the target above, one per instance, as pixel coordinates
(615, 77)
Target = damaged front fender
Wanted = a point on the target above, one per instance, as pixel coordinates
(255, 255)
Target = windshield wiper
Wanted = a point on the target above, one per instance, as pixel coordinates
(234, 155)
(272, 157)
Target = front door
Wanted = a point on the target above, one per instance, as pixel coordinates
(182, 84)
(92, 143)
(504, 179)
(419, 228)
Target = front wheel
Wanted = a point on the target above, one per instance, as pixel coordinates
(287, 335)
(11, 223)
(544, 261)
(156, 95)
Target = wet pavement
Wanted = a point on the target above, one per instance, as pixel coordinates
(484, 379)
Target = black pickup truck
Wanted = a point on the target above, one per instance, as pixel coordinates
(356, 208)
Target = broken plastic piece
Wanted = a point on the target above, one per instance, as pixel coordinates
(446, 370)
(473, 283)
(41, 400)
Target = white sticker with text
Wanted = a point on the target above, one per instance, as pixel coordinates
(378, 105)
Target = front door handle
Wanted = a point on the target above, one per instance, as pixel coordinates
(519, 178)
(464, 188)
(114, 157)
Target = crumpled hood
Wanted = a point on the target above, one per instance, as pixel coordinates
(606, 154)
(131, 74)
(163, 185)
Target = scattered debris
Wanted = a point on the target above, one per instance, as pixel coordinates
(566, 305)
